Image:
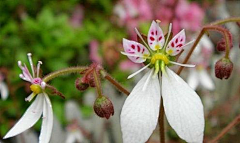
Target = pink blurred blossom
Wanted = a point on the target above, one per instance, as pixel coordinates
(77, 16)
(94, 55)
(187, 15)
(132, 12)
(128, 65)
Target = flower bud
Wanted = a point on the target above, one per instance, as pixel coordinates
(223, 68)
(103, 107)
(221, 45)
(80, 85)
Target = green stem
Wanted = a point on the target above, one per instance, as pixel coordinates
(65, 71)
(97, 83)
(114, 82)
(233, 19)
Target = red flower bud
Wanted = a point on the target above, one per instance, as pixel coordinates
(80, 85)
(221, 45)
(223, 68)
(103, 107)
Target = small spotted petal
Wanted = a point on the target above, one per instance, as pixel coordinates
(175, 46)
(155, 37)
(136, 49)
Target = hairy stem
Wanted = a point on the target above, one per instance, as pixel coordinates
(61, 72)
(114, 82)
(226, 129)
(219, 22)
(97, 83)
(205, 29)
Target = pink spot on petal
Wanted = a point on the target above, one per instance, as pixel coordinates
(156, 32)
(181, 40)
(138, 48)
(151, 43)
(172, 44)
(137, 58)
(177, 50)
(179, 45)
(152, 39)
(160, 38)
(152, 33)
(176, 40)
(133, 47)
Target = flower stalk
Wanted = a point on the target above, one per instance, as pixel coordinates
(114, 82)
(97, 83)
(65, 71)
(223, 31)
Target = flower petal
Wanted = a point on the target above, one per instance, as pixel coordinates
(137, 49)
(47, 123)
(206, 80)
(29, 118)
(176, 44)
(183, 107)
(3, 90)
(193, 79)
(140, 111)
(155, 37)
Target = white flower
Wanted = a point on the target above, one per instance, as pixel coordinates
(40, 106)
(183, 107)
(3, 88)
(74, 134)
(200, 75)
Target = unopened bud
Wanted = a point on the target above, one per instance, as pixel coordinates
(103, 107)
(221, 45)
(80, 85)
(223, 68)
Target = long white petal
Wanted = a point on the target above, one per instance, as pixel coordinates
(193, 79)
(183, 107)
(206, 80)
(47, 122)
(29, 118)
(3, 90)
(140, 111)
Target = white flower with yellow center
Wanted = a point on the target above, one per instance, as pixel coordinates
(183, 107)
(40, 106)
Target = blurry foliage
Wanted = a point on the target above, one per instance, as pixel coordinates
(43, 28)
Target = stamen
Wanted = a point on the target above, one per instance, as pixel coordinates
(140, 36)
(20, 65)
(133, 55)
(147, 81)
(31, 63)
(169, 32)
(38, 67)
(43, 85)
(188, 43)
(132, 75)
(184, 65)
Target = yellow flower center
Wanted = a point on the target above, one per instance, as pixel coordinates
(35, 88)
(159, 56)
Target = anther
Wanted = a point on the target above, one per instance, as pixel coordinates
(38, 67)
(31, 63)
